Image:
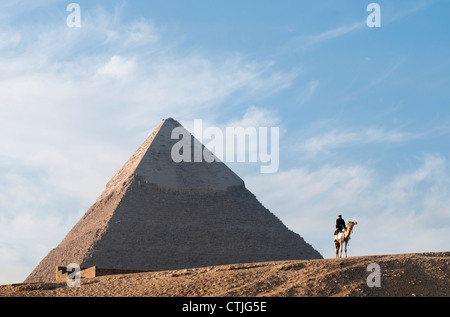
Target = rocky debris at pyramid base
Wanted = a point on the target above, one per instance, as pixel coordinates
(157, 215)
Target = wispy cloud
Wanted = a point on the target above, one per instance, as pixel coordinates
(309, 41)
(335, 139)
(386, 73)
(378, 79)
(309, 91)
(334, 33)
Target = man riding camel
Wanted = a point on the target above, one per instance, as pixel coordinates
(340, 225)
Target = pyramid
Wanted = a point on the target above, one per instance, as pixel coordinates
(156, 214)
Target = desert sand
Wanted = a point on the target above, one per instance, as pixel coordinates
(402, 275)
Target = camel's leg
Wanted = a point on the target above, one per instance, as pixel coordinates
(337, 244)
(346, 248)
(342, 246)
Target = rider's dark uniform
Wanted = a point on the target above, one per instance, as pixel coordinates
(340, 225)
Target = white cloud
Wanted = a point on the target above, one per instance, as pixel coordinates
(257, 117)
(26, 238)
(9, 39)
(117, 67)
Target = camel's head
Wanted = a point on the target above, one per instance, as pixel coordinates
(352, 223)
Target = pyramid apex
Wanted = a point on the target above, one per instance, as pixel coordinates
(171, 121)
(153, 162)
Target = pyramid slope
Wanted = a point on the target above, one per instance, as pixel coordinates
(174, 229)
(156, 214)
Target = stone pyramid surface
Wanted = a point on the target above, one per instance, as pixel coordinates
(155, 214)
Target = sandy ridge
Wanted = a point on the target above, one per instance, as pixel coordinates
(416, 274)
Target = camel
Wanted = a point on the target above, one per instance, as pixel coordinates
(343, 237)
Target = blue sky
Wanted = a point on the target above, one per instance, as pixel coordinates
(363, 112)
